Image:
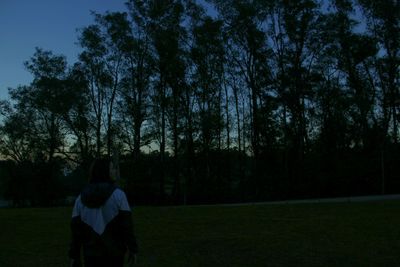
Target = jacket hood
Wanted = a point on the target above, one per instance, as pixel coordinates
(96, 194)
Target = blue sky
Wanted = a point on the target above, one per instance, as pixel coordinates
(49, 24)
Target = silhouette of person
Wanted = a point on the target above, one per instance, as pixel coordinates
(102, 222)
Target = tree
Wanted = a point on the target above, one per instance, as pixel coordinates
(76, 114)
(33, 134)
(293, 25)
(135, 83)
(383, 26)
(207, 59)
(251, 55)
(354, 51)
(163, 21)
(102, 59)
(43, 99)
(17, 133)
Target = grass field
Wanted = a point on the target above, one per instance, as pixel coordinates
(357, 234)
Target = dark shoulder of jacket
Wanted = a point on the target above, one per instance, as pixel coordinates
(96, 194)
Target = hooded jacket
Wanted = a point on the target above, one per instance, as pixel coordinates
(102, 224)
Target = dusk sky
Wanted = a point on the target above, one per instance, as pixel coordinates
(48, 24)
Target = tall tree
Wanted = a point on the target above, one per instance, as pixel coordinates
(136, 82)
(17, 132)
(292, 27)
(250, 54)
(32, 131)
(43, 98)
(355, 49)
(208, 59)
(76, 114)
(383, 21)
(102, 59)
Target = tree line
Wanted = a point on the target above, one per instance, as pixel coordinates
(224, 101)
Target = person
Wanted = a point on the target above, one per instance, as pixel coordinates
(102, 222)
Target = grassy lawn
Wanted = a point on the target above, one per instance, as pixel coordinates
(356, 234)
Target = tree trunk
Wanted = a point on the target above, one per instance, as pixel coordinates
(239, 131)
(163, 141)
(176, 188)
(190, 154)
(137, 137)
(228, 139)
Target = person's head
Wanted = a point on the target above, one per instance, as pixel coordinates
(101, 171)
